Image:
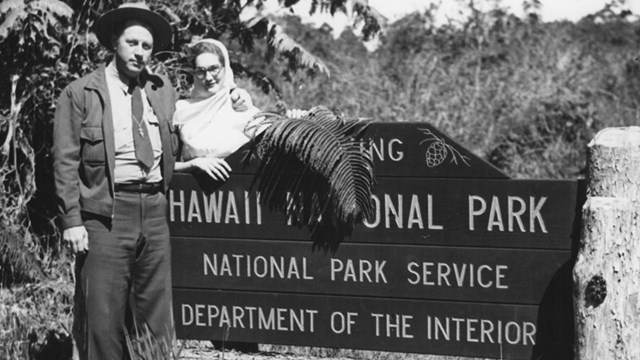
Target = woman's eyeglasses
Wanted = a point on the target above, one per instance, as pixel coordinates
(201, 73)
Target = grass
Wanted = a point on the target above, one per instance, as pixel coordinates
(36, 319)
(142, 345)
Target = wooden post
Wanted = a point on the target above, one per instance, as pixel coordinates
(607, 271)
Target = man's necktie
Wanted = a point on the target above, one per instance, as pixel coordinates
(141, 140)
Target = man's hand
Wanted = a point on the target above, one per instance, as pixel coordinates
(240, 100)
(76, 238)
(217, 168)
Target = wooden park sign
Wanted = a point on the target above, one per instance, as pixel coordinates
(457, 259)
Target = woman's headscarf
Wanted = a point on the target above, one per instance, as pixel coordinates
(228, 74)
(210, 127)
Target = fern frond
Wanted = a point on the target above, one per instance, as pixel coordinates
(282, 42)
(314, 170)
(278, 40)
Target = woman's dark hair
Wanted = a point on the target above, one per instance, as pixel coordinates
(203, 48)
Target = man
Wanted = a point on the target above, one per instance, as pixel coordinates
(114, 153)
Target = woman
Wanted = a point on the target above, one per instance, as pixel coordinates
(209, 127)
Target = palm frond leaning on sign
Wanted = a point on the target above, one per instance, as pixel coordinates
(314, 169)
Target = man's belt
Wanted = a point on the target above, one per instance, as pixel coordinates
(146, 188)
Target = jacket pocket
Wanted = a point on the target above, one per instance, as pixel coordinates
(92, 143)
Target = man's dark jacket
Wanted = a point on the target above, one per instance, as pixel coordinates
(84, 146)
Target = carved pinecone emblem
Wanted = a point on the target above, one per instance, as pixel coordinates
(436, 153)
(439, 150)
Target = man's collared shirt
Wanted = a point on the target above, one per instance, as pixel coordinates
(128, 169)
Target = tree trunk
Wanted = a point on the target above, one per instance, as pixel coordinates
(607, 270)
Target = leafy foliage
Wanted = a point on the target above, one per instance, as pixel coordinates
(257, 34)
(33, 309)
(33, 37)
(315, 170)
(487, 80)
(557, 124)
(278, 40)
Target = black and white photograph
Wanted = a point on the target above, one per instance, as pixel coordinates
(319, 179)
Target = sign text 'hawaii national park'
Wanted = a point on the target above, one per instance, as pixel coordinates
(457, 259)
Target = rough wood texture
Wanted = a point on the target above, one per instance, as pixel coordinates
(614, 163)
(607, 270)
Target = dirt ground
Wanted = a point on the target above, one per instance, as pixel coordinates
(204, 350)
(210, 354)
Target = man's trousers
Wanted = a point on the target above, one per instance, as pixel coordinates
(125, 278)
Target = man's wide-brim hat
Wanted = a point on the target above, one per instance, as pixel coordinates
(106, 25)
